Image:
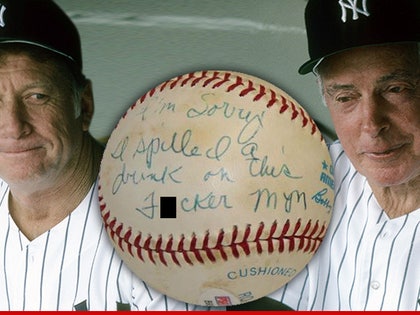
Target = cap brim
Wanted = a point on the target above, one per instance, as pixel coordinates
(20, 41)
(311, 64)
(308, 66)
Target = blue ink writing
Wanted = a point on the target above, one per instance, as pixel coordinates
(319, 198)
(222, 174)
(208, 202)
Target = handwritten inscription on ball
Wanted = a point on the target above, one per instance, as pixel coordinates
(216, 184)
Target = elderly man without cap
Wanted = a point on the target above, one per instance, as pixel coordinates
(366, 58)
(54, 251)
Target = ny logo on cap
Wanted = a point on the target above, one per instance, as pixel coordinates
(352, 5)
(2, 9)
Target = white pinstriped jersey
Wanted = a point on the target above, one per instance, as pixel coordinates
(366, 261)
(72, 266)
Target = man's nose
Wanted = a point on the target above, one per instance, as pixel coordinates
(13, 119)
(375, 115)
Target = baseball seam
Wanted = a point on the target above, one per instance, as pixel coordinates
(243, 86)
(271, 239)
(289, 239)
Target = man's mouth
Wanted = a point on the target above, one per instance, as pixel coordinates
(385, 153)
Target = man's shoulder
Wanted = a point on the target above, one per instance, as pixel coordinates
(4, 187)
(343, 169)
(338, 156)
(336, 149)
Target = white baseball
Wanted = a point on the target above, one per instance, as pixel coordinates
(249, 177)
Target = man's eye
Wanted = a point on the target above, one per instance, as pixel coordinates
(344, 99)
(396, 89)
(401, 87)
(37, 98)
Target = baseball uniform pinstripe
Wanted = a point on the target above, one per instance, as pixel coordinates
(366, 261)
(71, 266)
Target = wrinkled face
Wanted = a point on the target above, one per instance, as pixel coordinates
(373, 95)
(39, 133)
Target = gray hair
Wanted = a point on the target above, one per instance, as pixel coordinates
(318, 77)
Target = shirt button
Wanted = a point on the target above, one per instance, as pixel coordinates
(375, 285)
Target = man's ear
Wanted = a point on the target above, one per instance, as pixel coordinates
(87, 105)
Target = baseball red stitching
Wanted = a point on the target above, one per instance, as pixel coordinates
(289, 239)
(242, 86)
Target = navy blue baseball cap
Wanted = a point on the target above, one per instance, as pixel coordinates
(41, 23)
(333, 26)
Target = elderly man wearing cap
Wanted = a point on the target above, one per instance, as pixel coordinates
(366, 57)
(54, 251)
